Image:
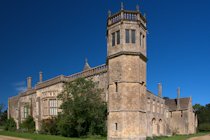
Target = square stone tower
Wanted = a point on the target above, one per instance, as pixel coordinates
(126, 59)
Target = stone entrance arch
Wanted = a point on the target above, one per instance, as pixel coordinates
(161, 127)
(154, 127)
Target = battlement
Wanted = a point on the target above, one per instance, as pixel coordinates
(126, 15)
(62, 78)
(87, 73)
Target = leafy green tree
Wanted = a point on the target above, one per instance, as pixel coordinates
(28, 124)
(197, 107)
(3, 118)
(203, 114)
(2, 106)
(83, 110)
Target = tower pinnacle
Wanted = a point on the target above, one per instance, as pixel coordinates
(137, 7)
(122, 6)
(86, 66)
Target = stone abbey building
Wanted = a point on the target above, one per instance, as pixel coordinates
(133, 111)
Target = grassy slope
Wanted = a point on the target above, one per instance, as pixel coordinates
(43, 137)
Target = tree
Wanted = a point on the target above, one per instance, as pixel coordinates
(3, 115)
(83, 110)
(197, 107)
(2, 106)
(166, 98)
(3, 118)
(203, 114)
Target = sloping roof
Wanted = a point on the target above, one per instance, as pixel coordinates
(172, 103)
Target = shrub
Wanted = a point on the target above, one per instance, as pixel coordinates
(28, 125)
(204, 127)
(10, 125)
(49, 126)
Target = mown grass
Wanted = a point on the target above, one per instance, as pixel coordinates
(45, 137)
(180, 137)
(51, 137)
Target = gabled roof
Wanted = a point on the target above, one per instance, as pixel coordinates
(172, 103)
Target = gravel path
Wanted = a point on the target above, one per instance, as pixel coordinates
(207, 137)
(10, 138)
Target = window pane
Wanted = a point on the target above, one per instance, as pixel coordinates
(118, 37)
(113, 39)
(133, 36)
(53, 107)
(127, 39)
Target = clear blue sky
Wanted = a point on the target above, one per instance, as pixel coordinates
(56, 36)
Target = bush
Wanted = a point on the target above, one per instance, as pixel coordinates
(28, 125)
(204, 127)
(3, 118)
(49, 126)
(10, 125)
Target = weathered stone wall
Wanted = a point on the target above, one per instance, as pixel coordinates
(156, 116)
(13, 109)
(101, 81)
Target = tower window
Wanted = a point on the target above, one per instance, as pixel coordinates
(133, 36)
(113, 39)
(127, 37)
(116, 126)
(140, 39)
(143, 40)
(116, 87)
(118, 37)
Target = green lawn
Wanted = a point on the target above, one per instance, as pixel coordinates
(44, 137)
(50, 137)
(182, 137)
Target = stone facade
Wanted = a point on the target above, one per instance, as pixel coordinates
(133, 111)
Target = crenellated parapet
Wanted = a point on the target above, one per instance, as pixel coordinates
(126, 15)
(62, 79)
(88, 73)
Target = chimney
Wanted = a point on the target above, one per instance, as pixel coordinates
(178, 98)
(159, 89)
(40, 77)
(29, 82)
